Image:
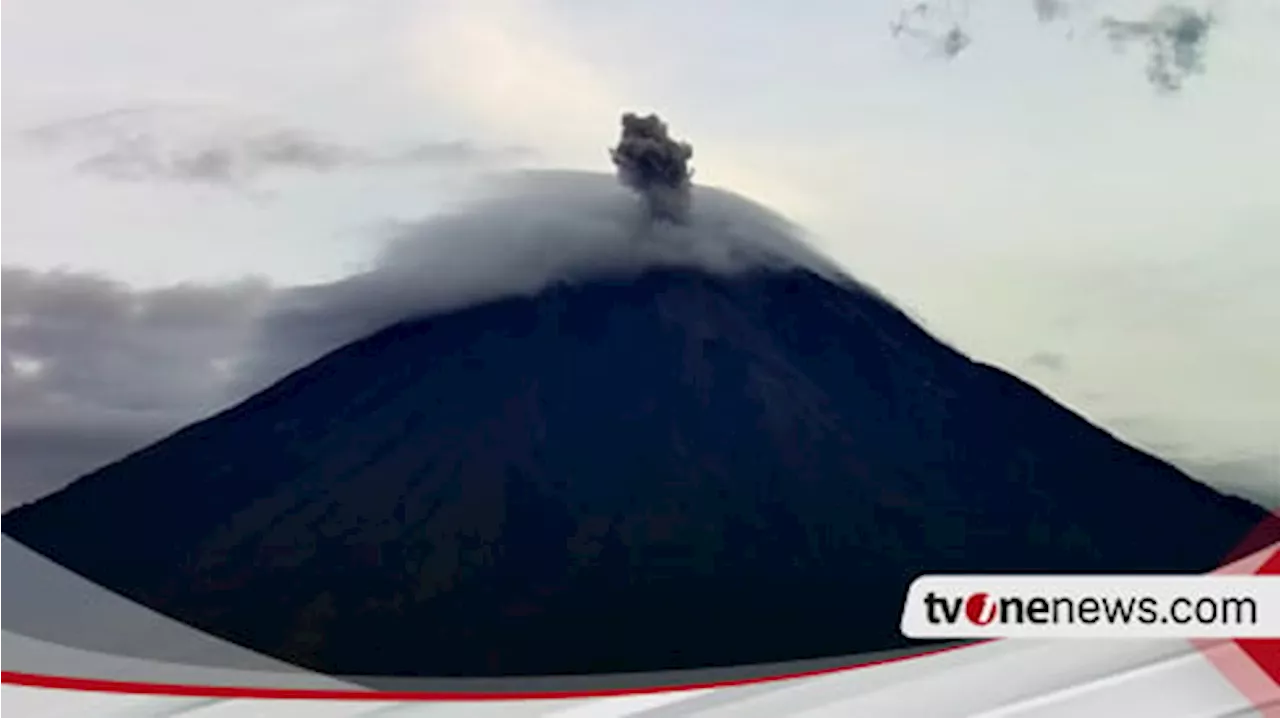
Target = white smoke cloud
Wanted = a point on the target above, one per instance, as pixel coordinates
(532, 230)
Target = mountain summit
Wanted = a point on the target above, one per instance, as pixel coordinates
(685, 464)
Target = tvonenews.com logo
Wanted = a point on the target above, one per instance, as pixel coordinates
(1093, 606)
(984, 609)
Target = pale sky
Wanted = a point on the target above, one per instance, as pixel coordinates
(1035, 201)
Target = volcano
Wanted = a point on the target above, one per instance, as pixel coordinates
(714, 461)
(674, 470)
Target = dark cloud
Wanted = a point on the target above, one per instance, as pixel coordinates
(93, 369)
(84, 336)
(1174, 37)
(655, 165)
(137, 145)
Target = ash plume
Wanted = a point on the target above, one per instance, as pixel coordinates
(655, 165)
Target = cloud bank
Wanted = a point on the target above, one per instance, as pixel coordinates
(94, 369)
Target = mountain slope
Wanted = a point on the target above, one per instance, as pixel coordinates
(675, 470)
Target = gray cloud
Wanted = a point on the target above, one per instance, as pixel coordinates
(167, 145)
(655, 165)
(93, 369)
(1174, 37)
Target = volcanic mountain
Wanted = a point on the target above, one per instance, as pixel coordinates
(670, 467)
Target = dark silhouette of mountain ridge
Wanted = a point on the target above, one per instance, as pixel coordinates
(674, 470)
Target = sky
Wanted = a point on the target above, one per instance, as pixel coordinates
(1036, 197)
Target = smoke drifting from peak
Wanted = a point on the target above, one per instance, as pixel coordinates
(655, 165)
